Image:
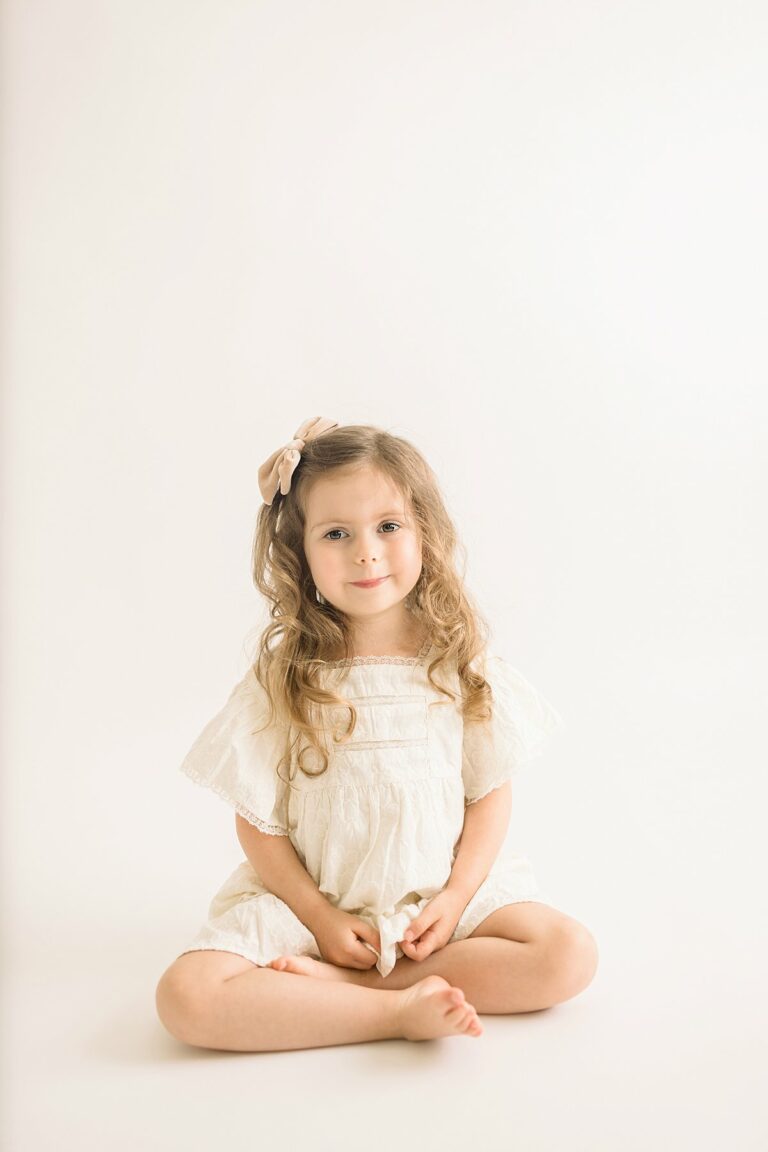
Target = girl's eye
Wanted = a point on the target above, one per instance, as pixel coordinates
(387, 523)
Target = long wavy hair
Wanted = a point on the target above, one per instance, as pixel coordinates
(298, 645)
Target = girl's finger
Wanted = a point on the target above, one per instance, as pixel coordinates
(369, 936)
(426, 945)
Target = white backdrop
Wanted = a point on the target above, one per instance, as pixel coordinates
(531, 238)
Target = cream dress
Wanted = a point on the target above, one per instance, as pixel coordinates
(378, 830)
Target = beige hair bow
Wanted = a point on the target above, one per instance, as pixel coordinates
(279, 468)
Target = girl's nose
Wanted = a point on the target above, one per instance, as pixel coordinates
(369, 551)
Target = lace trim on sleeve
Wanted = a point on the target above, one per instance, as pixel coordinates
(492, 788)
(270, 829)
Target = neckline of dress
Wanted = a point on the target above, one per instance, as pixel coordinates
(412, 660)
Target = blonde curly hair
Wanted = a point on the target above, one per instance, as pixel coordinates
(300, 641)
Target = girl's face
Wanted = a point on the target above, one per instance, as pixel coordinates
(358, 528)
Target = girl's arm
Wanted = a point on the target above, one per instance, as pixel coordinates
(276, 862)
(485, 825)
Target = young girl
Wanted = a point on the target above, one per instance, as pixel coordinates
(368, 754)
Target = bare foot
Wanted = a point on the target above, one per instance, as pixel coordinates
(307, 966)
(431, 1008)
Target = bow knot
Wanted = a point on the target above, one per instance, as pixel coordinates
(278, 469)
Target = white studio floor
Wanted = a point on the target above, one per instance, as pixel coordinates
(663, 1050)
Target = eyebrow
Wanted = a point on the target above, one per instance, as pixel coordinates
(380, 516)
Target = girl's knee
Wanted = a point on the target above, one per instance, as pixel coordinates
(572, 959)
(179, 1002)
(189, 990)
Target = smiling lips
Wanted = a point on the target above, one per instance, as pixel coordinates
(368, 583)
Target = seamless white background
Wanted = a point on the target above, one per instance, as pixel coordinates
(531, 238)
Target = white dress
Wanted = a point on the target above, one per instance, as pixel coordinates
(378, 830)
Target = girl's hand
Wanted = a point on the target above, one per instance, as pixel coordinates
(339, 937)
(434, 926)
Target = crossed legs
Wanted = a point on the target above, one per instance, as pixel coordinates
(522, 958)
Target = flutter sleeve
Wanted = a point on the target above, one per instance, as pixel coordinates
(238, 761)
(520, 728)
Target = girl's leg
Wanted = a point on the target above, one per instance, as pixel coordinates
(522, 958)
(497, 976)
(213, 999)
